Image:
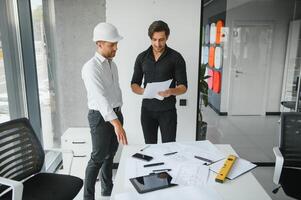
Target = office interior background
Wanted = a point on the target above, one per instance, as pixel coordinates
(44, 44)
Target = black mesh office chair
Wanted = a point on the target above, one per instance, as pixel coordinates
(288, 155)
(21, 160)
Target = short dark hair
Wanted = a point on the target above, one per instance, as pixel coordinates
(158, 26)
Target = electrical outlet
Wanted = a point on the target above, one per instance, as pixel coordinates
(183, 102)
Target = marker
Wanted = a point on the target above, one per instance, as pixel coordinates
(171, 153)
(154, 164)
(203, 159)
(161, 170)
(144, 147)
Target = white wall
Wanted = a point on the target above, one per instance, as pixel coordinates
(279, 13)
(132, 18)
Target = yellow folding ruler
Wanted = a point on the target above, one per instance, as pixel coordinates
(224, 171)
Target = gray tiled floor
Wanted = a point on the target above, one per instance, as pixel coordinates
(252, 137)
(265, 175)
(97, 191)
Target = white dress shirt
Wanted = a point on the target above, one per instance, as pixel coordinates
(102, 84)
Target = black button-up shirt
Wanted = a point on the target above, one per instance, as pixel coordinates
(170, 65)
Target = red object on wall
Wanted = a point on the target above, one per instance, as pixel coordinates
(219, 25)
(211, 56)
(210, 79)
(216, 81)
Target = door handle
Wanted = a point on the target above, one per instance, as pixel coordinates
(78, 142)
(80, 156)
(238, 72)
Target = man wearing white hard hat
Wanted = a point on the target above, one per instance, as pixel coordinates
(100, 76)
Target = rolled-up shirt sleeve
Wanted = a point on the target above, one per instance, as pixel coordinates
(138, 73)
(180, 72)
(96, 88)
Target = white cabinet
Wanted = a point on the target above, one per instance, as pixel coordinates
(78, 139)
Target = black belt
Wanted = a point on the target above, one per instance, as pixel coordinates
(117, 109)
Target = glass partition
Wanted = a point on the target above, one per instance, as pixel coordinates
(251, 51)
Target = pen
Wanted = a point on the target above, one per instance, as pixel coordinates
(144, 147)
(154, 164)
(171, 153)
(203, 159)
(159, 170)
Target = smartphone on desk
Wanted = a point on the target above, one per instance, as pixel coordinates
(142, 157)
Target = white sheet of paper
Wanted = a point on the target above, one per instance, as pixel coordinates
(174, 193)
(160, 149)
(191, 174)
(203, 149)
(240, 166)
(151, 90)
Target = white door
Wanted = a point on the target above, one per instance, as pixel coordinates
(250, 54)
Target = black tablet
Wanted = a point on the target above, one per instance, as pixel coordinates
(152, 182)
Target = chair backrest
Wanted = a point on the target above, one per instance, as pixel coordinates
(290, 141)
(21, 153)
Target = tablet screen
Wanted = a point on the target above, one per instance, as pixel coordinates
(152, 182)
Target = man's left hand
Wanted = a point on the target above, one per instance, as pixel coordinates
(165, 93)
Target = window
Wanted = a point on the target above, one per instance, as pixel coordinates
(42, 72)
(4, 110)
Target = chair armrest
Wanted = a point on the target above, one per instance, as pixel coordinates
(60, 150)
(278, 165)
(65, 151)
(16, 186)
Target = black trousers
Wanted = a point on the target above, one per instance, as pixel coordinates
(104, 147)
(166, 120)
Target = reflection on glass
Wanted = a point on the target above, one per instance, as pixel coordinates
(42, 72)
(254, 66)
(292, 68)
(4, 111)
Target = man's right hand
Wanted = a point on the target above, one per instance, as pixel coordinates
(119, 131)
(137, 89)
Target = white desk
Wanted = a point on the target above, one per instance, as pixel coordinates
(244, 187)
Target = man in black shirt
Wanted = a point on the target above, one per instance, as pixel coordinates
(156, 64)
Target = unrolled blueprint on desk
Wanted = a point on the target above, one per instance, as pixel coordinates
(152, 89)
(186, 151)
(191, 174)
(185, 168)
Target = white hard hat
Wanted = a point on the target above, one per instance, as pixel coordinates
(106, 32)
